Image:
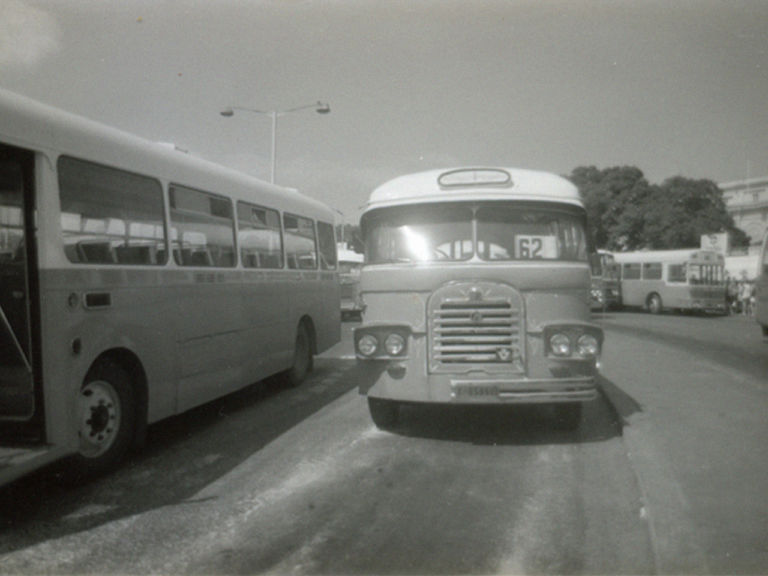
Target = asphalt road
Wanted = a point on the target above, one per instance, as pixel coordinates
(666, 475)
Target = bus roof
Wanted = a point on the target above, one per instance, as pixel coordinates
(471, 183)
(39, 127)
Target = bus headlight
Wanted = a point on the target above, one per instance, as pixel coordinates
(587, 345)
(560, 344)
(577, 341)
(367, 345)
(394, 344)
(382, 341)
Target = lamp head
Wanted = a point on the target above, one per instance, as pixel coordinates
(323, 108)
(227, 112)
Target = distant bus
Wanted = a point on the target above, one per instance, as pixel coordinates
(660, 280)
(350, 264)
(476, 291)
(761, 298)
(137, 282)
(605, 292)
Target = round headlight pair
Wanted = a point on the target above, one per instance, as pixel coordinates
(368, 344)
(586, 345)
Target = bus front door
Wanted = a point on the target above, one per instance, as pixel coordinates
(17, 390)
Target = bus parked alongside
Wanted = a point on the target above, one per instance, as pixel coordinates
(605, 293)
(691, 280)
(761, 287)
(137, 282)
(476, 291)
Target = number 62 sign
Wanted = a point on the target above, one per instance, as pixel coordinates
(535, 247)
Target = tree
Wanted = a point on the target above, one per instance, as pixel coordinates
(614, 199)
(681, 210)
(625, 212)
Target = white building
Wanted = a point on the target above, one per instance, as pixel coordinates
(747, 202)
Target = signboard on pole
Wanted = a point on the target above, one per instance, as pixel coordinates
(717, 242)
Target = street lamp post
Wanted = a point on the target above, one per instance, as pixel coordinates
(320, 108)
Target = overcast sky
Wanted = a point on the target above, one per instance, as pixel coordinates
(672, 87)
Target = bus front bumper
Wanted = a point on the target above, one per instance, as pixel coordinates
(523, 392)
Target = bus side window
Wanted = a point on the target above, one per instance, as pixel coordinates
(300, 244)
(206, 225)
(327, 244)
(260, 237)
(109, 216)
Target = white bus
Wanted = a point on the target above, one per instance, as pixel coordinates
(660, 280)
(137, 282)
(761, 286)
(476, 290)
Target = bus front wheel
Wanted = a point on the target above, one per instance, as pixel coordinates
(654, 304)
(384, 413)
(106, 418)
(302, 358)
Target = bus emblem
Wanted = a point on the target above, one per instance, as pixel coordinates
(477, 318)
(504, 354)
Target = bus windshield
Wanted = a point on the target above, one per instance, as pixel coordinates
(490, 231)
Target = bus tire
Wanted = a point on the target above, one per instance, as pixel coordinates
(106, 418)
(568, 416)
(384, 413)
(655, 305)
(302, 358)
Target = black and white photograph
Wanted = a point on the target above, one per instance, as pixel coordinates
(383, 287)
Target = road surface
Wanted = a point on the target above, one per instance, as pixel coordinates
(666, 475)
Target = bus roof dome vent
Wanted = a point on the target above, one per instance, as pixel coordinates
(472, 177)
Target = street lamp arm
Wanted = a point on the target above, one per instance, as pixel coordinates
(320, 108)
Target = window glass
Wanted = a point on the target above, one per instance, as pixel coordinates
(652, 271)
(300, 245)
(512, 232)
(676, 273)
(261, 242)
(419, 234)
(630, 272)
(202, 228)
(326, 239)
(110, 216)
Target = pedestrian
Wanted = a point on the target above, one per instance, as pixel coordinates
(746, 298)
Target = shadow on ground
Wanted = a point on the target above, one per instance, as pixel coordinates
(183, 454)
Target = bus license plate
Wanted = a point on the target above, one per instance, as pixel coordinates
(476, 391)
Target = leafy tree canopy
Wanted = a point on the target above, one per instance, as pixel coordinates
(626, 212)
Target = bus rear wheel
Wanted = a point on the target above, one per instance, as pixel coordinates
(106, 418)
(302, 358)
(654, 304)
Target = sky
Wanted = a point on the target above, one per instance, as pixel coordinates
(672, 87)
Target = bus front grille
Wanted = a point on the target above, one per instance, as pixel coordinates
(476, 326)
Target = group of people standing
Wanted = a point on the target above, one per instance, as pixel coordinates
(740, 295)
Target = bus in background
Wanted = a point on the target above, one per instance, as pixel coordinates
(350, 264)
(476, 291)
(137, 282)
(761, 286)
(605, 292)
(690, 280)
